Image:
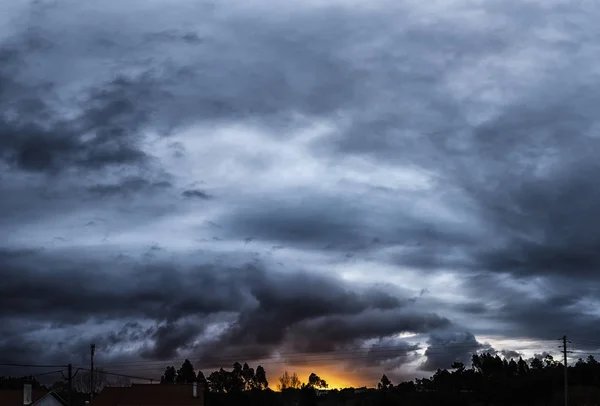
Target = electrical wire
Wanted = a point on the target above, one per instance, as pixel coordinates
(49, 373)
(122, 375)
(31, 365)
(266, 355)
(376, 354)
(308, 361)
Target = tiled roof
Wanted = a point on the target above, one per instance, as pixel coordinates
(14, 397)
(149, 395)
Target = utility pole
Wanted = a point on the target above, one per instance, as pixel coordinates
(70, 384)
(92, 350)
(566, 370)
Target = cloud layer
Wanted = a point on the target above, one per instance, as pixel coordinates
(408, 182)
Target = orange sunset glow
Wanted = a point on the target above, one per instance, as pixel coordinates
(335, 376)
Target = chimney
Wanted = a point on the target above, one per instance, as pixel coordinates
(195, 389)
(27, 394)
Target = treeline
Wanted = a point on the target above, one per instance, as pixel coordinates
(243, 385)
(240, 378)
(14, 383)
(490, 380)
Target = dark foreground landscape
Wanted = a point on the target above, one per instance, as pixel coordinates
(490, 380)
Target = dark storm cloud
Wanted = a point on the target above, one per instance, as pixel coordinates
(171, 337)
(312, 312)
(533, 317)
(159, 295)
(535, 188)
(448, 347)
(473, 308)
(525, 307)
(36, 138)
(127, 187)
(332, 223)
(131, 331)
(327, 221)
(391, 352)
(395, 87)
(196, 193)
(374, 323)
(111, 115)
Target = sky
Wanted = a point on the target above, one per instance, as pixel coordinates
(349, 188)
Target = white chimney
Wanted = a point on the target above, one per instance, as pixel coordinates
(195, 389)
(27, 394)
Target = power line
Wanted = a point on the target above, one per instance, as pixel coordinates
(265, 355)
(307, 361)
(31, 365)
(380, 354)
(566, 369)
(49, 373)
(122, 375)
(596, 343)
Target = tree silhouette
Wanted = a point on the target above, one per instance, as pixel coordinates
(537, 364)
(10, 382)
(459, 366)
(236, 379)
(490, 380)
(512, 368)
(169, 376)
(81, 382)
(315, 382)
(186, 373)
(522, 368)
(119, 382)
(261, 378)
(201, 379)
(287, 381)
(248, 377)
(218, 381)
(384, 383)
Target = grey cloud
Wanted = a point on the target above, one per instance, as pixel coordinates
(161, 294)
(127, 187)
(104, 134)
(448, 347)
(516, 153)
(196, 193)
(309, 312)
(511, 312)
(325, 222)
(391, 353)
(543, 355)
(174, 35)
(374, 323)
(171, 337)
(510, 354)
(284, 301)
(131, 331)
(113, 113)
(473, 308)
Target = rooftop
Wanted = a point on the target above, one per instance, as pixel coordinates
(149, 395)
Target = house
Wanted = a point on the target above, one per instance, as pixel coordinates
(151, 395)
(30, 397)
